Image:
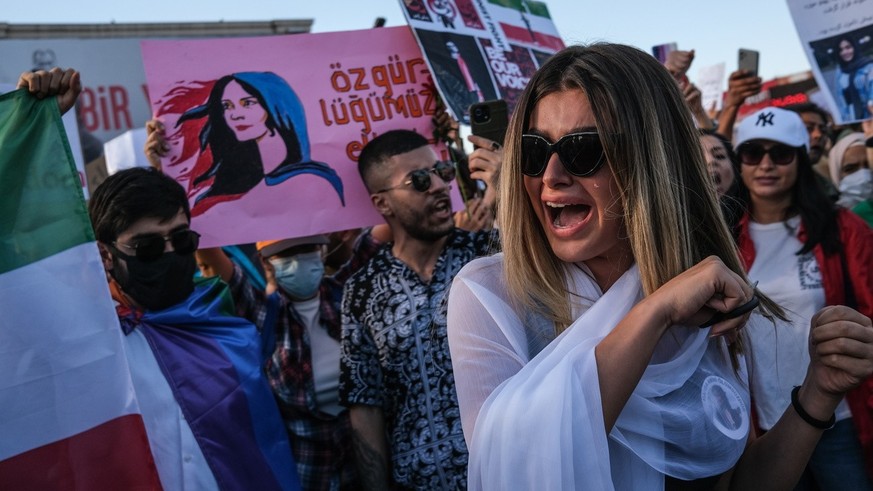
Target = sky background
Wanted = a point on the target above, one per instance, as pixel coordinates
(715, 30)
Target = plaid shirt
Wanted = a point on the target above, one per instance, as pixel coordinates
(321, 443)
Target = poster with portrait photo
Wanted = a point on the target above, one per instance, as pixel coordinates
(459, 66)
(838, 39)
(482, 49)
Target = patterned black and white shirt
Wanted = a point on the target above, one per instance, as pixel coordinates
(395, 355)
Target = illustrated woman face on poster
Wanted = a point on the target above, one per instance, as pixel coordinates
(244, 114)
(250, 128)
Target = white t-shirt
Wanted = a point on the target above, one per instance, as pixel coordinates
(325, 352)
(779, 354)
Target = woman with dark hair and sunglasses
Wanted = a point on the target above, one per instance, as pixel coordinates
(805, 254)
(577, 355)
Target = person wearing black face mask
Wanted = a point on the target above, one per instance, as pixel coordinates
(178, 333)
(144, 239)
(159, 282)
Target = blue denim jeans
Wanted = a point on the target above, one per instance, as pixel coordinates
(837, 463)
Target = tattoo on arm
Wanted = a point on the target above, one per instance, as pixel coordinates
(372, 465)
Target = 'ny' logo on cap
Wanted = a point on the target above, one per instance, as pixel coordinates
(764, 119)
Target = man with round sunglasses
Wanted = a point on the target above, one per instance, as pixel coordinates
(419, 180)
(396, 372)
(226, 434)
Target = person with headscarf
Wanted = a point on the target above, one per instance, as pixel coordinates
(854, 80)
(850, 171)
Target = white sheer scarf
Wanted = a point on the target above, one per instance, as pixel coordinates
(537, 423)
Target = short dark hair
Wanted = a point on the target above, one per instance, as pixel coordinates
(385, 146)
(809, 107)
(133, 194)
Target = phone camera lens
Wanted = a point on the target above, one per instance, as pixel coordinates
(481, 114)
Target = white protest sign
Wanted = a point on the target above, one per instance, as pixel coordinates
(113, 98)
(710, 81)
(125, 151)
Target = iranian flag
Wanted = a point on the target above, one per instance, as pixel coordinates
(68, 414)
(526, 22)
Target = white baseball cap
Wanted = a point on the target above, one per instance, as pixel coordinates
(773, 123)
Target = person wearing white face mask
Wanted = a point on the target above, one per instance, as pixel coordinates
(300, 324)
(850, 170)
(299, 275)
(298, 267)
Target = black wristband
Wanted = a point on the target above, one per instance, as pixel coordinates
(815, 423)
(869, 142)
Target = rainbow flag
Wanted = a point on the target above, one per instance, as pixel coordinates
(212, 360)
(68, 416)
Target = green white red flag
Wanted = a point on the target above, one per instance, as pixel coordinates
(69, 419)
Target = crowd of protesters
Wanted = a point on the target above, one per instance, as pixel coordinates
(647, 295)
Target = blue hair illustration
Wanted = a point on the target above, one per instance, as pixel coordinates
(236, 165)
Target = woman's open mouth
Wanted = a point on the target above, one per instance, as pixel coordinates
(566, 215)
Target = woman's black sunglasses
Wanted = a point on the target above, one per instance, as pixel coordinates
(752, 153)
(151, 247)
(420, 179)
(581, 153)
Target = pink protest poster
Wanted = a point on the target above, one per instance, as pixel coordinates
(481, 50)
(265, 132)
